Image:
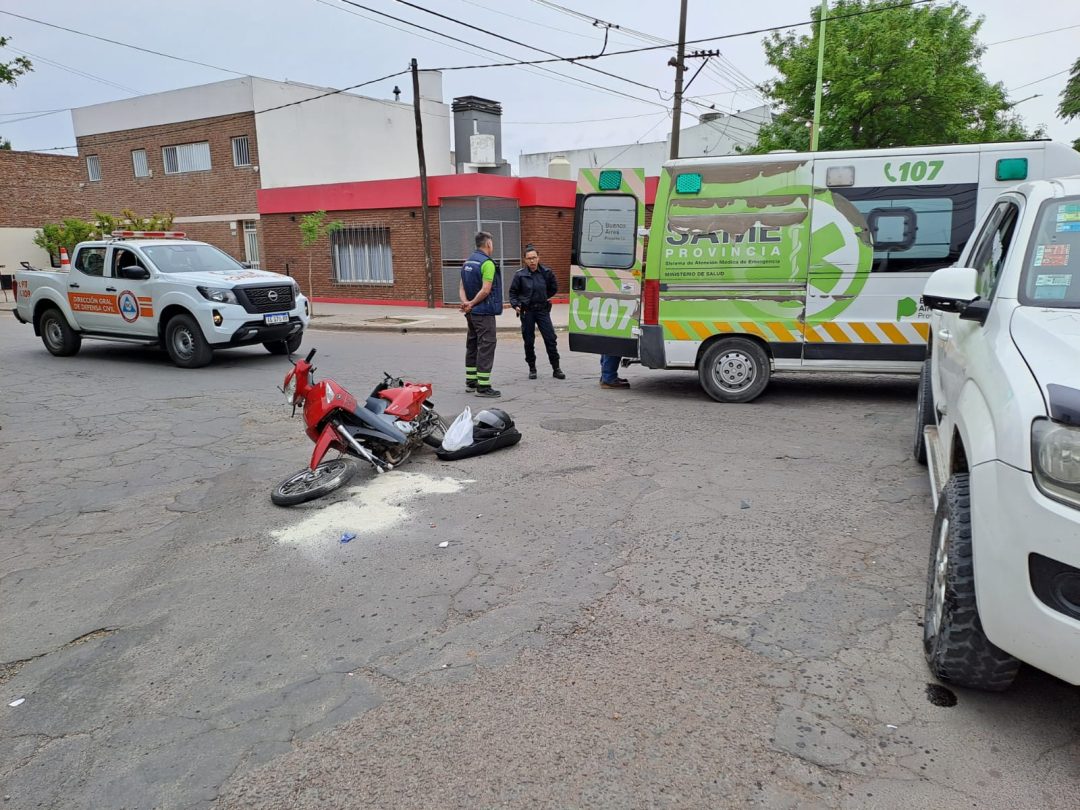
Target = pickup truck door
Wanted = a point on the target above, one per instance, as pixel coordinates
(134, 297)
(92, 303)
(958, 339)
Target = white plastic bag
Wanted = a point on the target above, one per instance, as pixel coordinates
(460, 432)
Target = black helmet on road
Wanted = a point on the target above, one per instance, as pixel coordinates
(494, 418)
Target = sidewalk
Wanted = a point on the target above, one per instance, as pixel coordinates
(375, 318)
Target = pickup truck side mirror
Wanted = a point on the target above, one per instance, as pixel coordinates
(951, 289)
(134, 273)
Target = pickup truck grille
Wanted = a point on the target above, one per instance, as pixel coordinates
(276, 298)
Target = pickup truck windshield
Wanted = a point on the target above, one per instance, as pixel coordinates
(1052, 266)
(179, 257)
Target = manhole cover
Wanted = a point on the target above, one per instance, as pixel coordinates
(574, 425)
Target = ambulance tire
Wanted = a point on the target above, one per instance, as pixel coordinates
(185, 343)
(924, 413)
(59, 338)
(954, 642)
(734, 369)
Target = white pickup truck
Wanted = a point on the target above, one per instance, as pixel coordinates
(998, 420)
(162, 289)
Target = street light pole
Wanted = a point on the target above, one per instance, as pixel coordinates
(816, 125)
(680, 59)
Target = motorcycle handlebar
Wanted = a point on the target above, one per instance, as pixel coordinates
(309, 356)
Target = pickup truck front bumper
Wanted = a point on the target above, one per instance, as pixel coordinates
(258, 332)
(19, 317)
(1016, 529)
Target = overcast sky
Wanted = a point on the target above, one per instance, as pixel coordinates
(320, 42)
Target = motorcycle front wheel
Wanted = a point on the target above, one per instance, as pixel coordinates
(308, 484)
(438, 430)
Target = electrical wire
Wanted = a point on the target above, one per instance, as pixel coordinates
(234, 116)
(75, 71)
(1039, 81)
(124, 44)
(1029, 36)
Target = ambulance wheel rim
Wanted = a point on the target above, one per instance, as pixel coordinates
(54, 334)
(941, 565)
(734, 371)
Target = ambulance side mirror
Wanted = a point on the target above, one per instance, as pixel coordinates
(951, 289)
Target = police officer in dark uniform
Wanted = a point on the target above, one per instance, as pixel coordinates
(530, 291)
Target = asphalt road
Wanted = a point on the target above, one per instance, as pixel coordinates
(653, 601)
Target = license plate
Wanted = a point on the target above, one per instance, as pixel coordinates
(278, 317)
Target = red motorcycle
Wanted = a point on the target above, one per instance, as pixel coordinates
(384, 431)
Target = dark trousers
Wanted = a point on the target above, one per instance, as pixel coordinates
(479, 350)
(530, 321)
(609, 367)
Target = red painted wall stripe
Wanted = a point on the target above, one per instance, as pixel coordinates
(405, 193)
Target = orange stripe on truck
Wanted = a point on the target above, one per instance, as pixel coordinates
(865, 333)
(836, 333)
(703, 331)
(923, 329)
(782, 333)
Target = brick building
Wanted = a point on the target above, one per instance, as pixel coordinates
(378, 255)
(36, 189)
(203, 153)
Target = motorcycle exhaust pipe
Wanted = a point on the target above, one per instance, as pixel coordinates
(363, 452)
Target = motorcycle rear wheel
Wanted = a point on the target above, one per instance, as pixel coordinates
(307, 484)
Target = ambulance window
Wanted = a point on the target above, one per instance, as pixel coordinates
(606, 233)
(91, 261)
(915, 229)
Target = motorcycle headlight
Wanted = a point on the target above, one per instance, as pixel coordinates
(1055, 460)
(290, 390)
(218, 294)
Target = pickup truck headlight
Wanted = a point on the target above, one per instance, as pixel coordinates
(1055, 457)
(218, 294)
(295, 290)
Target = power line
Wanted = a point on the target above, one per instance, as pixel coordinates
(513, 63)
(33, 112)
(526, 45)
(465, 45)
(233, 116)
(1029, 36)
(76, 71)
(643, 136)
(29, 117)
(1037, 81)
(123, 44)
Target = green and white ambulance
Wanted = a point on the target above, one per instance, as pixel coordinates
(782, 262)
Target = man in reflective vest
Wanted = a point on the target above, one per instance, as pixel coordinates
(480, 291)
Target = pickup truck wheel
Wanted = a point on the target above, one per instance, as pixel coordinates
(734, 370)
(185, 343)
(955, 645)
(288, 346)
(59, 338)
(924, 413)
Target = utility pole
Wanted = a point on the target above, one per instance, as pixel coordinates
(423, 185)
(680, 58)
(815, 126)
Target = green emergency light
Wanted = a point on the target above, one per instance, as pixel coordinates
(688, 183)
(610, 180)
(1011, 169)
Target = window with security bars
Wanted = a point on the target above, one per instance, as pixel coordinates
(140, 163)
(93, 167)
(362, 255)
(241, 153)
(186, 157)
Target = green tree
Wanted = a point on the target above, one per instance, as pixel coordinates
(71, 231)
(66, 235)
(9, 74)
(901, 76)
(1070, 99)
(313, 228)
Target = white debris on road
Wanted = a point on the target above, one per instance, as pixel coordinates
(375, 506)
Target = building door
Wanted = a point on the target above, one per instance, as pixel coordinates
(251, 243)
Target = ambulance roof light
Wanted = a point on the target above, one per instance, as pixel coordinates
(610, 180)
